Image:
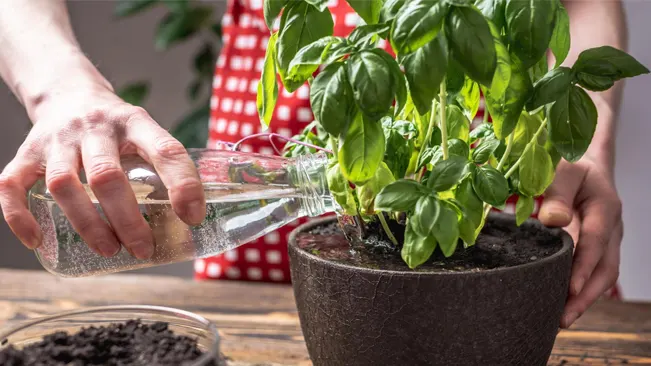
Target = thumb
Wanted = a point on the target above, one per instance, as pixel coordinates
(558, 202)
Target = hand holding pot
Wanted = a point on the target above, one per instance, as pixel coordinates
(583, 199)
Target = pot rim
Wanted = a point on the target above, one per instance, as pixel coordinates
(210, 354)
(567, 241)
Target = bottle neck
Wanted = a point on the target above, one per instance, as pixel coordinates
(310, 176)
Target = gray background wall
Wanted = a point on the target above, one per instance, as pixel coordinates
(124, 51)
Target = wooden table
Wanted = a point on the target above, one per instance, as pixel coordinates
(259, 323)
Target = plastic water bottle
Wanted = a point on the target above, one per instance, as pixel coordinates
(247, 195)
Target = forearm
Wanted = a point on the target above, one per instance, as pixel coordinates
(38, 51)
(598, 23)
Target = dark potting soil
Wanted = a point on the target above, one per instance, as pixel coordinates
(121, 344)
(498, 245)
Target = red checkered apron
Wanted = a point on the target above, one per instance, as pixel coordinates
(234, 116)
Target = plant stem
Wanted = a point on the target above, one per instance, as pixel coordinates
(485, 114)
(443, 116)
(386, 228)
(526, 149)
(335, 146)
(428, 136)
(507, 152)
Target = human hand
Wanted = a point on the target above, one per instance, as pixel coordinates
(90, 127)
(583, 200)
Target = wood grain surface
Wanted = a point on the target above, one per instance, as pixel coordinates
(260, 326)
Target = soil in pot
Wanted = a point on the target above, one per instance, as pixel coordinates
(499, 245)
(125, 344)
(496, 303)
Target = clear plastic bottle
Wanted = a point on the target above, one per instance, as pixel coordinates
(247, 196)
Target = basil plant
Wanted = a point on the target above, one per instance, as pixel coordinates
(399, 127)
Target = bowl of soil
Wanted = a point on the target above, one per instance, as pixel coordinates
(113, 335)
(498, 302)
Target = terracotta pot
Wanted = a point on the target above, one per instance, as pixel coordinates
(359, 316)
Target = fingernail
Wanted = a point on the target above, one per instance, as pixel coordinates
(560, 216)
(142, 250)
(108, 249)
(569, 318)
(35, 241)
(195, 212)
(578, 286)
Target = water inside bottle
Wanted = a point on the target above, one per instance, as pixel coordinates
(236, 213)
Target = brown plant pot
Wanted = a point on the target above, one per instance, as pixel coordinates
(359, 316)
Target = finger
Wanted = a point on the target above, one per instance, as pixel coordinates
(19, 176)
(174, 166)
(600, 211)
(556, 209)
(604, 277)
(62, 179)
(110, 185)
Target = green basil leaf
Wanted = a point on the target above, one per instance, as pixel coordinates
(490, 185)
(502, 76)
(399, 196)
(551, 150)
(536, 171)
(481, 131)
(548, 89)
(431, 155)
(540, 69)
(524, 132)
(426, 214)
(417, 249)
(483, 152)
(300, 25)
(366, 193)
(455, 77)
(447, 173)
(459, 148)
(341, 191)
(446, 230)
(389, 10)
(460, 2)
(425, 70)
(332, 99)
(468, 98)
(416, 24)
(372, 81)
(268, 86)
(471, 43)
(572, 123)
(398, 153)
(493, 10)
(399, 79)
(593, 82)
(366, 33)
(523, 209)
(607, 61)
(271, 10)
(561, 39)
(457, 123)
(369, 10)
(505, 110)
(404, 128)
(308, 58)
(321, 5)
(529, 26)
(362, 149)
(471, 203)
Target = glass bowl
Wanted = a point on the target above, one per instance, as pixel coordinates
(181, 322)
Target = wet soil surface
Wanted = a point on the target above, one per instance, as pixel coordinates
(499, 245)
